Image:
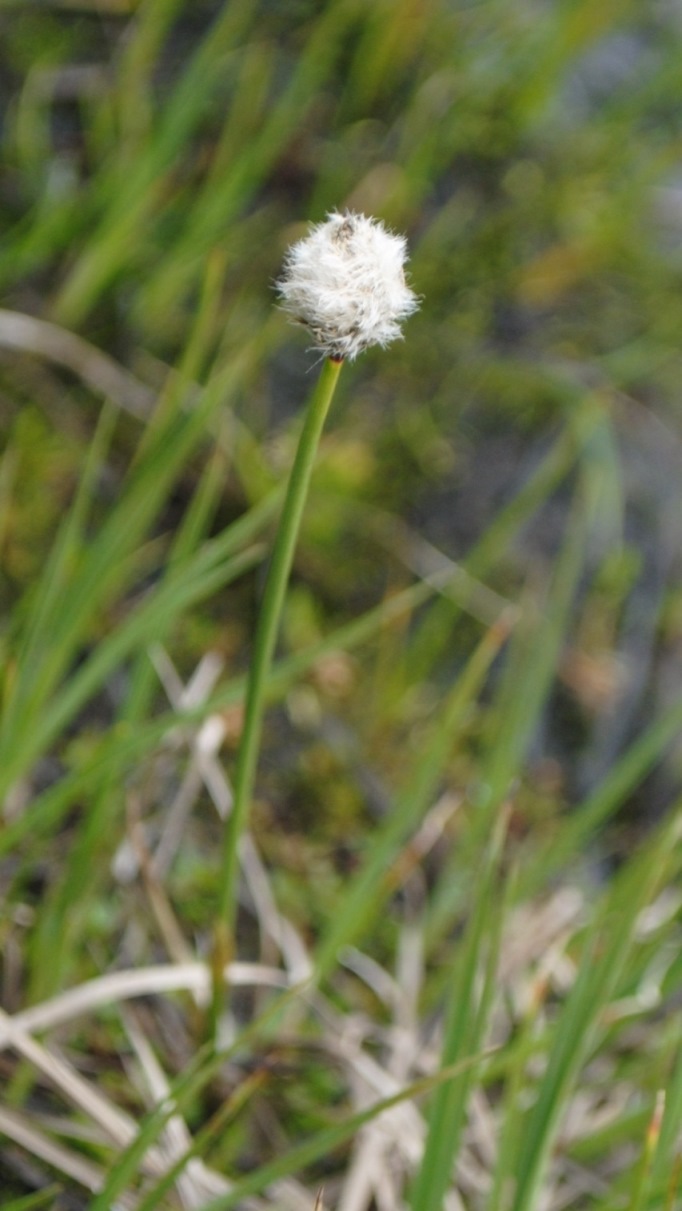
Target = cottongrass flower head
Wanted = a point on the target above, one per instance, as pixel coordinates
(346, 282)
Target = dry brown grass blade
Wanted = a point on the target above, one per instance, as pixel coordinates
(206, 770)
(23, 1132)
(125, 985)
(99, 372)
(196, 1183)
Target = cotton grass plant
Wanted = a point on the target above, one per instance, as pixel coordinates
(345, 283)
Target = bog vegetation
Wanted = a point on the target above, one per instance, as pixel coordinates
(454, 980)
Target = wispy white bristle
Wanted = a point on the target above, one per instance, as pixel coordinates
(346, 282)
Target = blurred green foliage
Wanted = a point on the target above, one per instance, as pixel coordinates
(156, 159)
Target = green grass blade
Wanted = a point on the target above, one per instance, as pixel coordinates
(33, 1202)
(131, 741)
(619, 783)
(533, 662)
(607, 944)
(324, 1143)
(127, 1166)
(370, 887)
(465, 1026)
(131, 196)
(104, 569)
(668, 1135)
(48, 596)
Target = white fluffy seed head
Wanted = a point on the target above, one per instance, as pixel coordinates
(346, 282)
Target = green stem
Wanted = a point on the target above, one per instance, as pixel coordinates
(264, 644)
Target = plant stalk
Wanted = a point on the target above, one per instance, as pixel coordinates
(264, 646)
